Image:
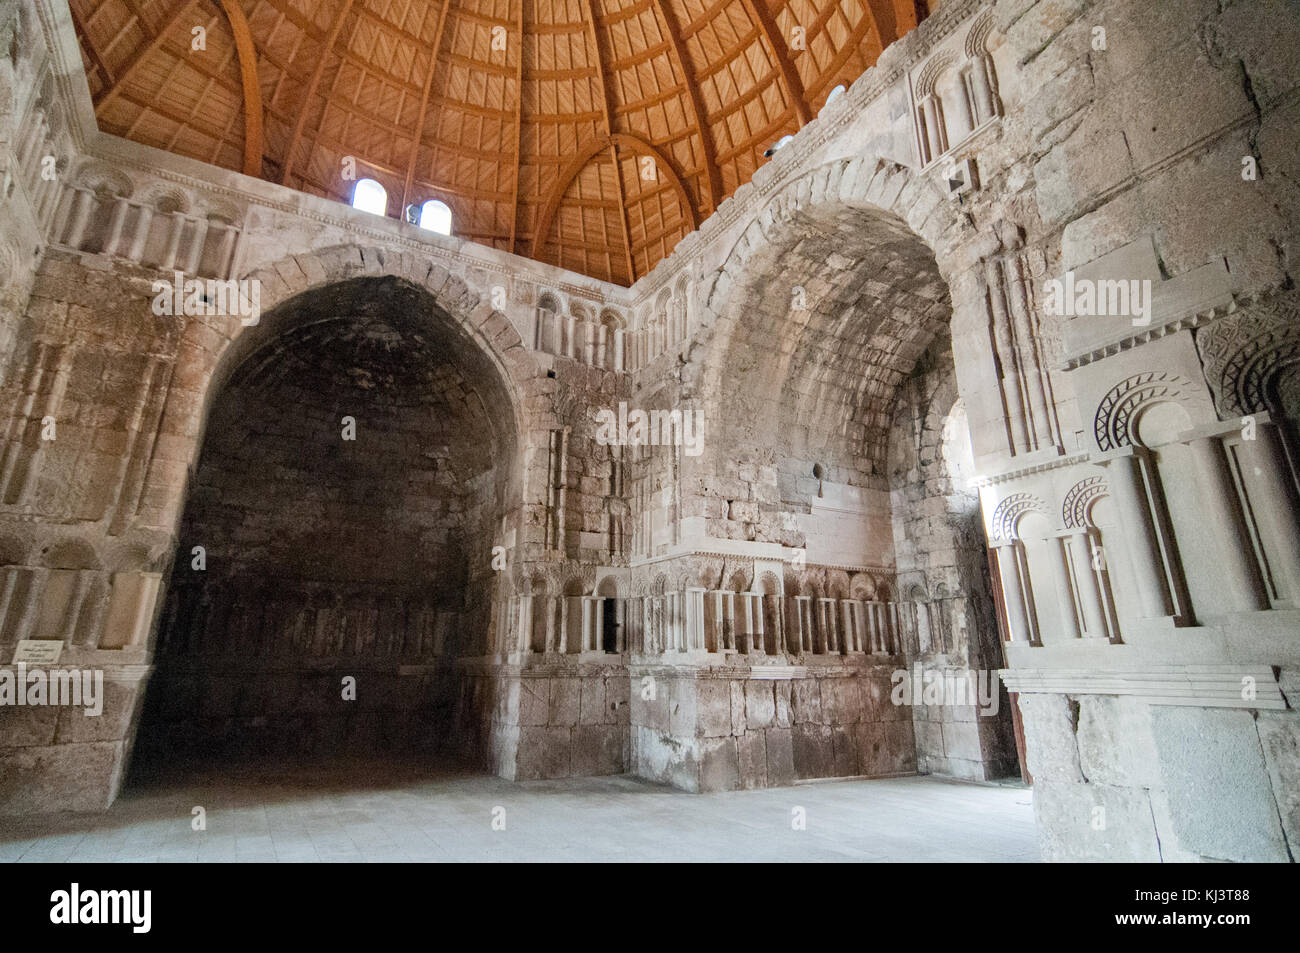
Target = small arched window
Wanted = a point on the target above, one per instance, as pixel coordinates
(436, 217)
(369, 196)
(837, 91)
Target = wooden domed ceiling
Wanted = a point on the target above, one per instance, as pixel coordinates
(592, 134)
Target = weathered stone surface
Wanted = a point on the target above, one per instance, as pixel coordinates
(1050, 722)
(1094, 822)
(1279, 735)
(1213, 773)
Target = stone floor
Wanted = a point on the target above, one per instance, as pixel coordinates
(374, 812)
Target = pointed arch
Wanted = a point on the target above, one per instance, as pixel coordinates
(585, 155)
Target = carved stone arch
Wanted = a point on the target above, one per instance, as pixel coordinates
(837, 584)
(862, 587)
(222, 211)
(136, 558)
(930, 73)
(98, 177)
(1076, 511)
(872, 202)
(166, 198)
(865, 182)
(1249, 356)
(663, 301)
(793, 582)
(1119, 409)
(1006, 515)
(977, 38)
(71, 554)
(213, 347)
(767, 584)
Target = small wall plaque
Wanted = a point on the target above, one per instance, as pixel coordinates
(38, 651)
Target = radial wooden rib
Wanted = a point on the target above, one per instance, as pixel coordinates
(247, 54)
(424, 104)
(108, 94)
(519, 131)
(607, 98)
(780, 52)
(712, 173)
(291, 153)
(586, 154)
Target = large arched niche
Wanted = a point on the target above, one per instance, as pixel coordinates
(820, 313)
(359, 458)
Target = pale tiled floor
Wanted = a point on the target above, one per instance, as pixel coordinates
(375, 812)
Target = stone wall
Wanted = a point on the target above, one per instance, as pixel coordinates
(719, 730)
(943, 574)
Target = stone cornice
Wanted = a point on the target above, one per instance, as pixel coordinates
(1213, 686)
(1054, 463)
(1183, 322)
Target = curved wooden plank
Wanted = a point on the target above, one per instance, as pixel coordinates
(712, 173)
(585, 155)
(247, 53)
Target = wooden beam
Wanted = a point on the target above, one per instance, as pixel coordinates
(884, 13)
(867, 26)
(586, 154)
(98, 60)
(519, 132)
(311, 91)
(247, 53)
(607, 98)
(110, 93)
(713, 174)
(780, 51)
(424, 104)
